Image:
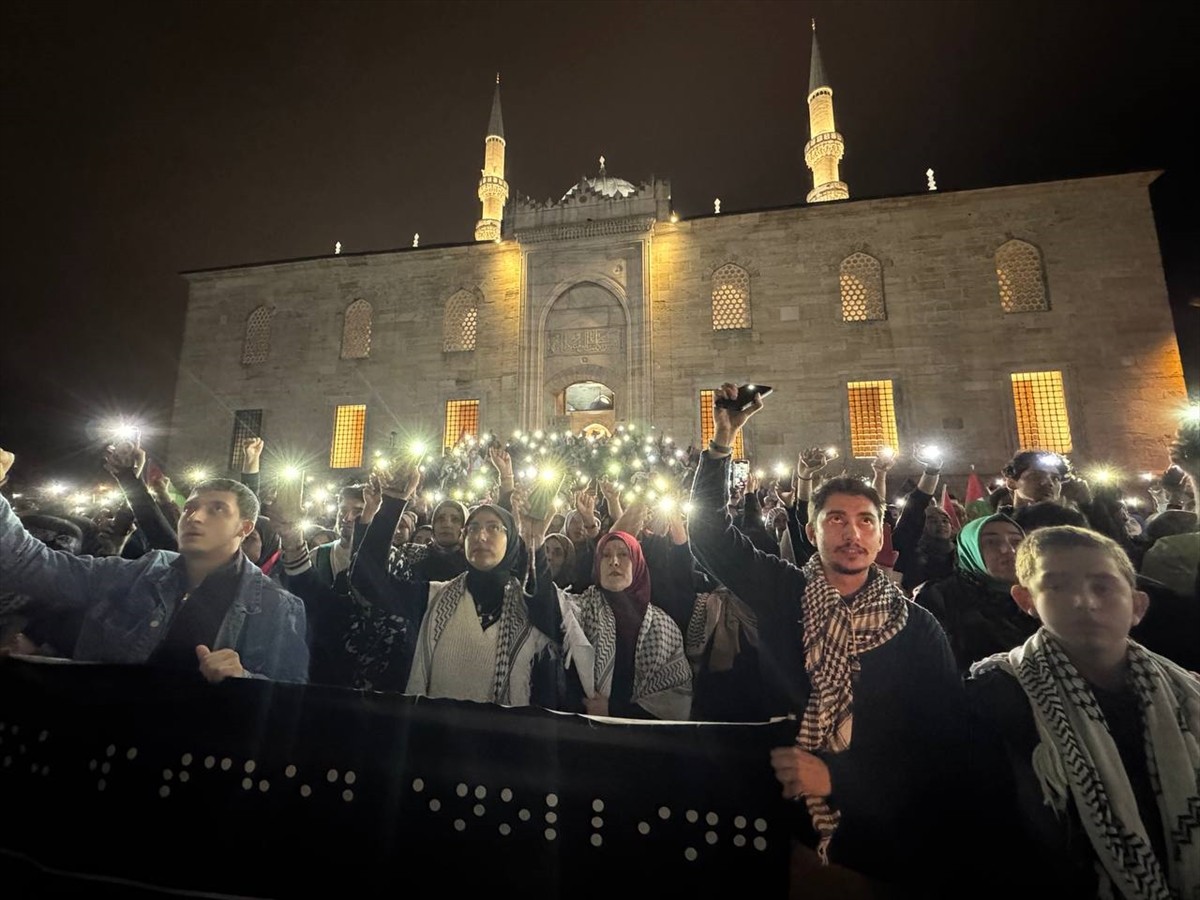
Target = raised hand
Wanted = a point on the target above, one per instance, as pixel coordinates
(124, 455)
(884, 459)
(400, 483)
(6, 462)
(752, 483)
(502, 463)
(727, 421)
(812, 460)
(928, 456)
(372, 498)
(531, 528)
(609, 490)
(252, 455)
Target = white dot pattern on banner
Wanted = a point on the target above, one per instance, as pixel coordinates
(461, 790)
(690, 854)
(552, 800)
(597, 840)
(643, 827)
(551, 817)
(418, 785)
(290, 772)
(350, 778)
(435, 804)
(523, 815)
(209, 762)
(739, 840)
(101, 784)
(264, 785)
(711, 818)
(91, 765)
(460, 825)
(506, 795)
(760, 843)
(597, 822)
(305, 790)
(131, 754)
(226, 764)
(760, 824)
(347, 795)
(710, 837)
(480, 792)
(110, 750)
(185, 760)
(183, 776)
(505, 829)
(478, 809)
(739, 822)
(164, 791)
(247, 783)
(598, 806)
(691, 815)
(45, 770)
(664, 813)
(551, 834)
(105, 768)
(331, 776)
(249, 767)
(42, 737)
(7, 761)
(168, 774)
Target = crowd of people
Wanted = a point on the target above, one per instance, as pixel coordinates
(1018, 666)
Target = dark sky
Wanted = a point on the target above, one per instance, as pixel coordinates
(147, 139)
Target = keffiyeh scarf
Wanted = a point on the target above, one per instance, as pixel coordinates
(836, 634)
(1078, 760)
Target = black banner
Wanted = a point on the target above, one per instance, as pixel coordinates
(131, 782)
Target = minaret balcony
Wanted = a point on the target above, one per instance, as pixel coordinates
(831, 190)
(824, 145)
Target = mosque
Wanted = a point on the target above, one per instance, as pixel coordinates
(985, 321)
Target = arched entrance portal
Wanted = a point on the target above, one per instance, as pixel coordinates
(590, 407)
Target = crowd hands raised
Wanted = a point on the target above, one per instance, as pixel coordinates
(1016, 662)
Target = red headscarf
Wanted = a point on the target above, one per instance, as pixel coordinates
(639, 588)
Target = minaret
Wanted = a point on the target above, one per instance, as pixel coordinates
(825, 147)
(493, 189)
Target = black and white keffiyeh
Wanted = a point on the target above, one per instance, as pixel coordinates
(836, 633)
(1077, 760)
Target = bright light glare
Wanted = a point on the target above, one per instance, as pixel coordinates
(418, 448)
(290, 473)
(831, 452)
(781, 469)
(667, 504)
(886, 452)
(1104, 475)
(197, 475)
(55, 488)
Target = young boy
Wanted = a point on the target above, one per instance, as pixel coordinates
(1086, 741)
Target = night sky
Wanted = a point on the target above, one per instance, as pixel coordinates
(145, 140)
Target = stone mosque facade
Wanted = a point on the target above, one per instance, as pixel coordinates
(985, 321)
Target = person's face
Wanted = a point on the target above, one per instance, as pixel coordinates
(487, 540)
(57, 540)
(556, 556)
(348, 512)
(448, 526)
(847, 533)
(998, 543)
(423, 535)
(1037, 484)
(616, 566)
(252, 546)
(403, 533)
(1082, 599)
(575, 530)
(211, 524)
(937, 523)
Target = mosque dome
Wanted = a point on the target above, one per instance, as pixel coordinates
(605, 185)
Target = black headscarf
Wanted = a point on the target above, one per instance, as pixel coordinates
(487, 587)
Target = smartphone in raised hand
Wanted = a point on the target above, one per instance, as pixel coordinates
(745, 397)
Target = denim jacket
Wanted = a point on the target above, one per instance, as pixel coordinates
(132, 603)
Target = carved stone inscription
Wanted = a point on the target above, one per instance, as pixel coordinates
(583, 341)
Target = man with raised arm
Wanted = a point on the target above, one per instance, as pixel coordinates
(206, 607)
(869, 675)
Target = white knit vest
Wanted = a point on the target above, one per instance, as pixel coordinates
(464, 661)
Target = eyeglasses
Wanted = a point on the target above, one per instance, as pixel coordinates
(493, 529)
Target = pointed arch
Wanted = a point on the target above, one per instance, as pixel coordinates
(1021, 277)
(257, 345)
(356, 331)
(460, 322)
(861, 280)
(730, 298)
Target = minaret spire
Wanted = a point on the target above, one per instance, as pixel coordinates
(825, 148)
(493, 189)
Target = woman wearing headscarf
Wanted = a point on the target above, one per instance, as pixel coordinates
(560, 555)
(444, 557)
(628, 654)
(477, 636)
(974, 604)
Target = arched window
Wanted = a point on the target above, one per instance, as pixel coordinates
(1021, 278)
(356, 331)
(861, 280)
(257, 345)
(460, 323)
(730, 298)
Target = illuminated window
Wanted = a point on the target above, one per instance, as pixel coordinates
(1021, 278)
(1041, 409)
(462, 418)
(730, 298)
(872, 418)
(258, 336)
(247, 423)
(862, 289)
(356, 331)
(708, 427)
(460, 322)
(349, 426)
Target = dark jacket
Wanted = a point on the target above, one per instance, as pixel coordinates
(979, 620)
(896, 784)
